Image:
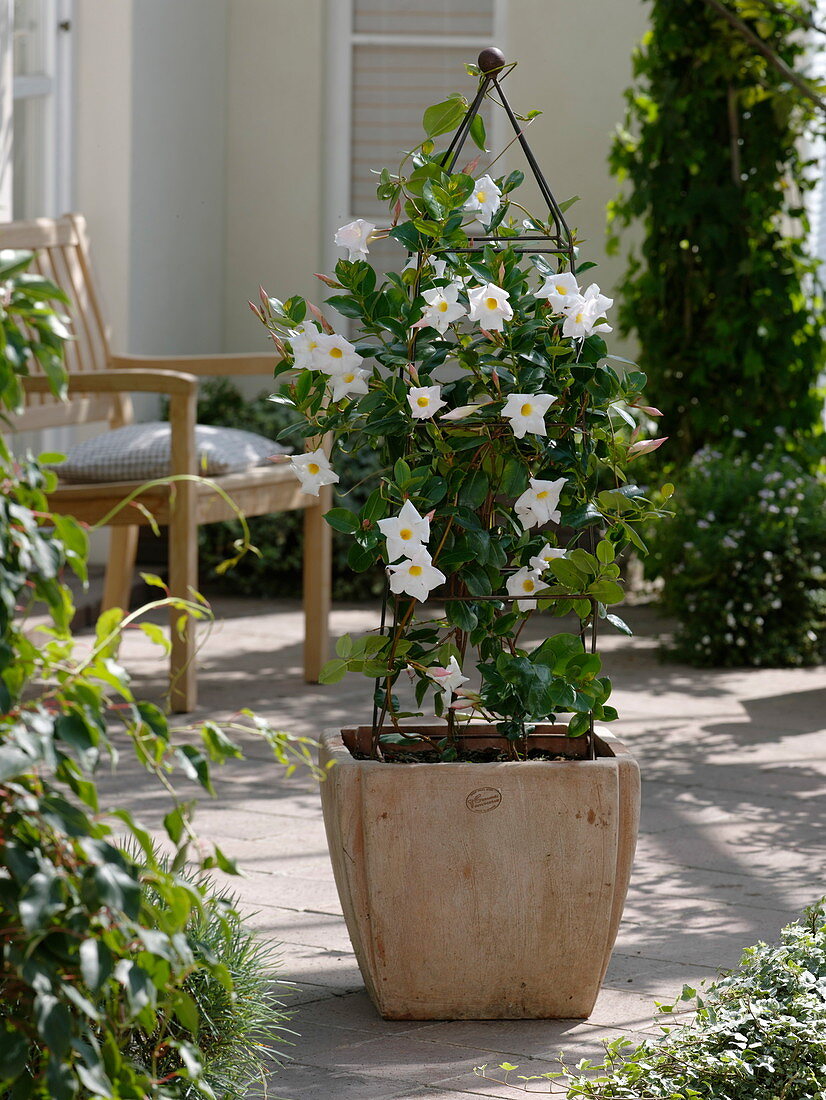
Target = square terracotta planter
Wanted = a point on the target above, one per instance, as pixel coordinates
(481, 890)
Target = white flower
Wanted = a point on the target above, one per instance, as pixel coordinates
(537, 505)
(542, 560)
(449, 678)
(425, 401)
(406, 533)
(416, 576)
(334, 354)
(524, 582)
(354, 237)
(442, 307)
(304, 343)
(437, 265)
(583, 312)
(485, 198)
(526, 412)
(598, 302)
(464, 411)
(313, 470)
(348, 382)
(489, 306)
(559, 290)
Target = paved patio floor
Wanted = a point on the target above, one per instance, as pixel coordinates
(731, 849)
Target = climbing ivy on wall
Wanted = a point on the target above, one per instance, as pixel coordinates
(722, 293)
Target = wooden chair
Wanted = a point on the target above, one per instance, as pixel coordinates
(99, 387)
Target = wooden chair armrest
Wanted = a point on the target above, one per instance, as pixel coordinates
(183, 400)
(119, 381)
(229, 364)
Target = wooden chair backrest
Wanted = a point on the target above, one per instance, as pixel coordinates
(61, 254)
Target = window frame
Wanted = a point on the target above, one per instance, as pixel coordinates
(55, 85)
(338, 136)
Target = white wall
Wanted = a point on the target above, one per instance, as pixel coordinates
(151, 88)
(177, 197)
(6, 109)
(275, 164)
(574, 65)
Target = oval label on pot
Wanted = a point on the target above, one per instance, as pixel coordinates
(483, 799)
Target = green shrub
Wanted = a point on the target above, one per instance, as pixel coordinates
(759, 1034)
(279, 538)
(722, 292)
(99, 944)
(744, 561)
(237, 1021)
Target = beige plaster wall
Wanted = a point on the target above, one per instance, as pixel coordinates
(274, 215)
(574, 64)
(103, 155)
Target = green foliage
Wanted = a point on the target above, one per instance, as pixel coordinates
(744, 561)
(231, 1021)
(759, 1034)
(470, 472)
(722, 294)
(275, 571)
(100, 943)
(30, 329)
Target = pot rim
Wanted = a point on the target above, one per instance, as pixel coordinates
(341, 743)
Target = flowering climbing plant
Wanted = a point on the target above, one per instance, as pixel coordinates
(481, 376)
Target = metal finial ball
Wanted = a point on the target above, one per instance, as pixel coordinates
(491, 60)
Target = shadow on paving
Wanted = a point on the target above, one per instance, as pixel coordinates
(733, 766)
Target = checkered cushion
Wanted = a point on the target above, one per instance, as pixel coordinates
(140, 452)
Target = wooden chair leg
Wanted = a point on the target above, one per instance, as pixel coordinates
(120, 567)
(183, 578)
(318, 561)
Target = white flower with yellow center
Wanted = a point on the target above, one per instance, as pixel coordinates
(304, 344)
(484, 198)
(350, 381)
(538, 504)
(416, 576)
(449, 678)
(354, 237)
(405, 533)
(313, 470)
(583, 313)
(442, 308)
(489, 306)
(526, 412)
(523, 583)
(543, 559)
(424, 401)
(334, 354)
(559, 290)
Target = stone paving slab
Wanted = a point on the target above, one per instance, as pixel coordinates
(734, 774)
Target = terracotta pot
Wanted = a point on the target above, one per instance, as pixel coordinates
(481, 891)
